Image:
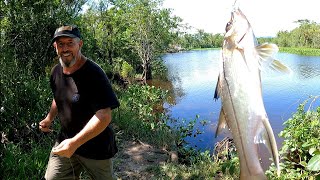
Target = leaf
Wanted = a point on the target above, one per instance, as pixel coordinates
(307, 144)
(312, 150)
(314, 163)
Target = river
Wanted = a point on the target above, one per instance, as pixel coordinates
(194, 76)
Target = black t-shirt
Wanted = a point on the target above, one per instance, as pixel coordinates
(78, 97)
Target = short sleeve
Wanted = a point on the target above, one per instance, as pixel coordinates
(103, 95)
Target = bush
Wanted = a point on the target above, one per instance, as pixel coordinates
(141, 114)
(300, 152)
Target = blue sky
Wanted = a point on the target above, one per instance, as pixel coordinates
(266, 17)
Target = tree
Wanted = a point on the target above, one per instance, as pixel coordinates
(307, 34)
(149, 31)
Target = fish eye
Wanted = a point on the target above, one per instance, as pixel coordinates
(228, 26)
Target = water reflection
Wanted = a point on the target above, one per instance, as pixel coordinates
(194, 74)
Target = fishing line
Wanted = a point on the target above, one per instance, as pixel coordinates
(74, 174)
(235, 4)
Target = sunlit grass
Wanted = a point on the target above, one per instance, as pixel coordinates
(19, 163)
(301, 51)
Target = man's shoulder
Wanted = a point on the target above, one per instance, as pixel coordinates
(94, 67)
(93, 64)
(56, 69)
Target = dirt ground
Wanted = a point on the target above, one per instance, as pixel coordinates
(135, 159)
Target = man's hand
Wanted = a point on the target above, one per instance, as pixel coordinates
(65, 149)
(44, 125)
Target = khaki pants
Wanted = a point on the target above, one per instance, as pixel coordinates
(61, 168)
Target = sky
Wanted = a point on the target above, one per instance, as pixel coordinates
(266, 17)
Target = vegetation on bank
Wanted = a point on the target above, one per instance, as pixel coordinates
(300, 151)
(126, 38)
(301, 51)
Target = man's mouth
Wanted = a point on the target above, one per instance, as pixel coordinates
(66, 54)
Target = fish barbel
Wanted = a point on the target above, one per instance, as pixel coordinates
(239, 86)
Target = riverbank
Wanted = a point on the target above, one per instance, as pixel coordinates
(293, 50)
(301, 51)
(137, 160)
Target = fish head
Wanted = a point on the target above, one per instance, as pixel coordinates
(237, 27)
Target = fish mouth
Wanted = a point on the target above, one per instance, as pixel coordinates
(231, 29)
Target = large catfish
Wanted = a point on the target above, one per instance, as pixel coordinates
(239, 86)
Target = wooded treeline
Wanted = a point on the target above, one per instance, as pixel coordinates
(306, 35)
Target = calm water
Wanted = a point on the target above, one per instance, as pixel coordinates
(194, 76)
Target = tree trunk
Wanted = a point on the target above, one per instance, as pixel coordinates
(147, 73)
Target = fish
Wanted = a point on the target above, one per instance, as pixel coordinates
(239, 87)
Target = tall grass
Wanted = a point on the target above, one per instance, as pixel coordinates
(24, 100)
(301, 51)
(19, 163)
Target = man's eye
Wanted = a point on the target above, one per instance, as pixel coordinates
(70, 44)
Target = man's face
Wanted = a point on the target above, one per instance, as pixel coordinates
(68, 50)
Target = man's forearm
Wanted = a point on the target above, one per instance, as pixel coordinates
(94, 127)
(53, 111)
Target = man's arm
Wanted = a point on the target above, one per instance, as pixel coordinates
(45, 124)
(95, 126)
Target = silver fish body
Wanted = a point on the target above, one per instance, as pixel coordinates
(239, 86)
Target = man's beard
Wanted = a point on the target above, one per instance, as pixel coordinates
(67, 64)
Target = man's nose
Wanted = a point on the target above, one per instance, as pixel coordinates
(65, 48)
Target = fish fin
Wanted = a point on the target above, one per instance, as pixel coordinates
(265, 52)
(267, 138)
(216, 92)
(278, 66)
(222, 122)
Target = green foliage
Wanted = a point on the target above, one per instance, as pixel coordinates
(306, 35)
(149, 32)
(301, 147)
(126, 70)
(187, 129)
(27, 28)
(120, 67)
(194, 164)
(159, 70)
(24, 101)
(20, 162)
(201, 167)
(301, 51)
(201, 39)
(141, 115)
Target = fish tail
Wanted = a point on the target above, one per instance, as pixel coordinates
(271, 144)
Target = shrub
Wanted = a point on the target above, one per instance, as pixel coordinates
(300, 152)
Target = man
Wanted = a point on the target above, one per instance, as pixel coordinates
(83, 100)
